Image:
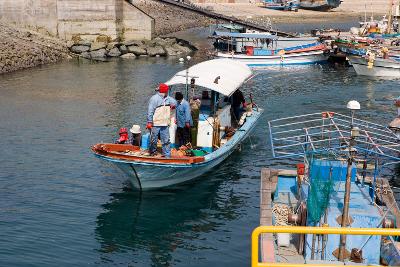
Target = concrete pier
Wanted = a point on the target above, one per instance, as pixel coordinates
(85, 19)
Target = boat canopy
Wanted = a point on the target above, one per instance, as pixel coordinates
(224, 76)
(245, 35)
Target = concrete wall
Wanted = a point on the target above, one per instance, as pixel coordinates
(85, 19)
(39, 15)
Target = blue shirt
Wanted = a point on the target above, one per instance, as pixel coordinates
(156, 101)
(183, 114)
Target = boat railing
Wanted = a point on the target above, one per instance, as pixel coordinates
(315, 133)
(255, 240)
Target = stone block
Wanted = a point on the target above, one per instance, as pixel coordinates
(137, 50)
(79, 48)
(128, 56)
(114, 52)
(98, 54)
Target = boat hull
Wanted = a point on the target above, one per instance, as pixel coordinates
(148, 176)
(307, 58)
(381, 67)
(319, 5)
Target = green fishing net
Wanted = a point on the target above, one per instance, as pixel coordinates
(321, 188)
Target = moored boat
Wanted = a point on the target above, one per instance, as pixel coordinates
(287, 5)
(333, 208)
(266, 49)
(217, 133)
(319, 5)
(376, 67)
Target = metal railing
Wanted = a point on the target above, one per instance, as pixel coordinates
(318, 133)
(309, 230)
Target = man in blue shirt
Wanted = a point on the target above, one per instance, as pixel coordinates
(159, 118)
(183, 120)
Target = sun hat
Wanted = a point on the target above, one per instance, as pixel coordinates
(135, 129)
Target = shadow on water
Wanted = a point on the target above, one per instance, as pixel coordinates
(160, 222)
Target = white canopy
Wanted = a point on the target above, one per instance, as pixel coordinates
(224, 76)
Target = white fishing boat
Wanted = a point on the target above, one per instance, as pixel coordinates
(377, 67)
(216, 137)
(266, 49)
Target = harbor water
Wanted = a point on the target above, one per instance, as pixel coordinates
(61, 206)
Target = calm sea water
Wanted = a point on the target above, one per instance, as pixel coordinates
(60, 206)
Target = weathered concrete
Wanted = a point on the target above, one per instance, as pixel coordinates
(102, 20)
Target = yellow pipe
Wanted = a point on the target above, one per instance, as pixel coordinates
(309, 230)
(263, 264)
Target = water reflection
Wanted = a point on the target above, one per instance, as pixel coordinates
(161, 222)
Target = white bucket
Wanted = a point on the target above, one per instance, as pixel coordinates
(283, 239)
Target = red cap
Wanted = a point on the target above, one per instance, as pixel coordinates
(163, 88)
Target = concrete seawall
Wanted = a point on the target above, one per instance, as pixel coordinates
(85, 19)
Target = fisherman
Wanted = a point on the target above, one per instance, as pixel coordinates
(136, 137)
(183, 120)
(159, 118)
(237, 100)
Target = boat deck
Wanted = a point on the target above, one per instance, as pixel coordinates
(269, 180)
(270, 251)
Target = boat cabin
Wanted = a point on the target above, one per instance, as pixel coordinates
(262, 44)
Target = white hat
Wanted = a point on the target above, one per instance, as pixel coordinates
(135, 129)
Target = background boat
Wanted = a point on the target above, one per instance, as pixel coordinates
(288, 5)
(319, 5)
(378, 68)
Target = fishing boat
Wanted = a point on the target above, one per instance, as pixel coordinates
(266, 49)
(217, 134)
(333, 208)
(286, 5)
(319, 5)
(376, 67)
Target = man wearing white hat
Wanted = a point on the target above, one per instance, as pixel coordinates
(136, 135)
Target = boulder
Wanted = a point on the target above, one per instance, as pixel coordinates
(159, 41)
(112, 45)
(170, 41)
(182, 49)
(133, 42)
(172, 51)
(79, 48)
(97, 46)
(186, 44)
(137, 50)
(128, 55)
(84, 42)
(114, 52)
(123, 49)
(98, 54)
(85, 55)
(156, 51)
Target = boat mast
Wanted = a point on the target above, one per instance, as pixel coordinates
(345, 219)
(390, 14)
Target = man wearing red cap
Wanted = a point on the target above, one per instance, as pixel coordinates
(159, 118)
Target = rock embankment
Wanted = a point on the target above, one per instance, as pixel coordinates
(158, 47)
(169, 18)
(21, 49)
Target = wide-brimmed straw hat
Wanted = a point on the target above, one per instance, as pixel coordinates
(135, 129)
